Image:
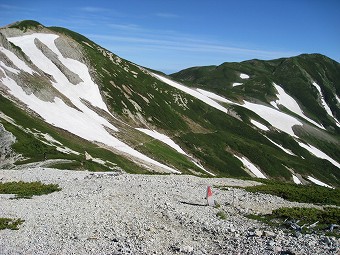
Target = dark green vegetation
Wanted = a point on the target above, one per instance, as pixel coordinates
(26, 24)
(328, 215)
(304, 216)
(137, 99)
(27, 189)
(222, 215)
(13, 224)
(310, 220)
(299, 193)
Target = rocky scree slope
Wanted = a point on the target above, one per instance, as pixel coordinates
(110, 213)
(65, 97)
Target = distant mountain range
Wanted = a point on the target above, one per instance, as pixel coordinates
(69, 103)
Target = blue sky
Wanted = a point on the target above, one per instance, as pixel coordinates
(175, 34)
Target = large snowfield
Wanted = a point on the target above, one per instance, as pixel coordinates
(83, 122)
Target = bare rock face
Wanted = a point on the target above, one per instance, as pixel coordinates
(7, 156)
(70, 48)
(71, 76)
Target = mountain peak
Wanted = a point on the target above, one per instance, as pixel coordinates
(25, 24)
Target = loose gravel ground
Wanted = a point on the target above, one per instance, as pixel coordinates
(109, 213)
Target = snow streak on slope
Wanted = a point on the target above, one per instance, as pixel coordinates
(15, 60)
(251, 167)
(320, 183)
(323, 102)
(200, 166)
(4, 66)
(281, 147)
(192, 92)
(316, 152)
(296, 180)
(325, 105)
(259, 125)
(290, 103)
(163, 138)
(214, 96)
(337, 99)
(84, 123)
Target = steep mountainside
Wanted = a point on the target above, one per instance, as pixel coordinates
(312, 80)
(67, 102)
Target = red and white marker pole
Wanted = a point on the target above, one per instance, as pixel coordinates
(210, 199)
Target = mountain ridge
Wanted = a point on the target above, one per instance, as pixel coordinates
(217, 122)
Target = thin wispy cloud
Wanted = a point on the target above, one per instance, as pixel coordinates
(101, 13)
(125, 27)
(92, 9)
(167, 15)
(8, 7)
(189, 45)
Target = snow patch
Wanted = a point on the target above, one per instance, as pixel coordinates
(163, 138)
(244, 76)
(281, 147)
(320, 183)
(201, 167)
(237, 84)
(88, 44)
(214, 96)
(318, 153)
(273, 103)
(50, 138)
(325, 105)
(323, 102)
(67, 150)
(52, 142)
(4, 66)
(7, 118)
(276, 118)
(181, 101)
(259, 125)
(101, 162)
(251, 167)
(296, 180)
(337, 99)
(16, 61)
(291, 104)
